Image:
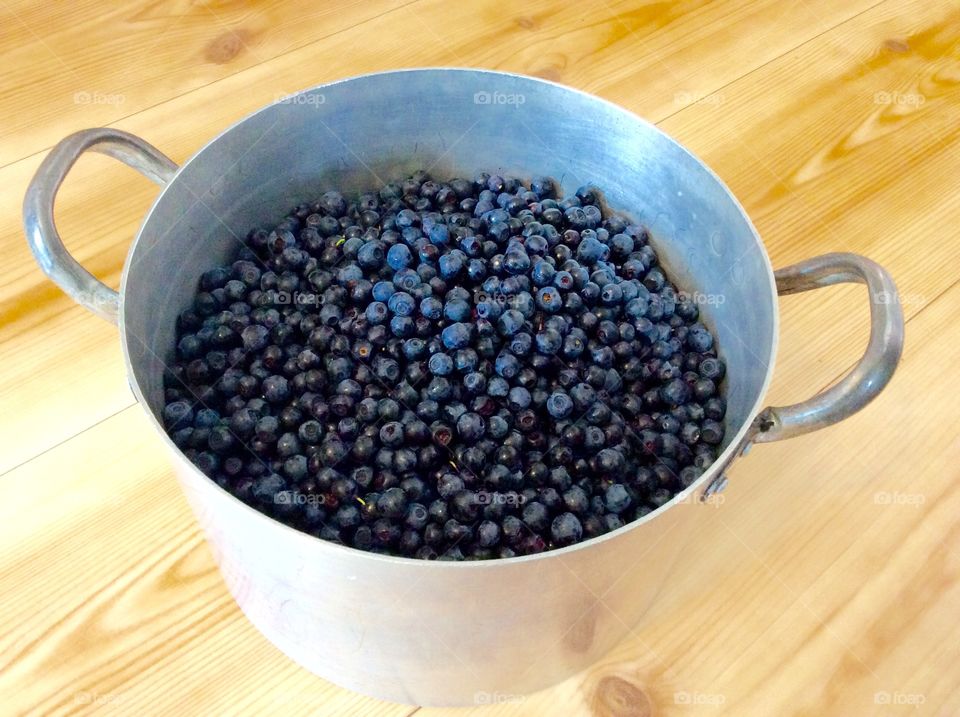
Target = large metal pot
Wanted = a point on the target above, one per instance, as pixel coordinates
(442, 633)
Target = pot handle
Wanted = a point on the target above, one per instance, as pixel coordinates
(872, 372)
(52, 256)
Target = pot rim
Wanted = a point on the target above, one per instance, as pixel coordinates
(310, 542)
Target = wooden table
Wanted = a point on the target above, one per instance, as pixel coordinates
(825, 584)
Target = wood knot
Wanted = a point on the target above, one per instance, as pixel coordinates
(550, 72)
(896, 45)
(226, 46)
(527, 23)
(552, 67)
(616, 697)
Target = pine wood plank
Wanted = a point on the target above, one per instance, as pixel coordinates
(62, 55)
(822, 162)
(90, 64)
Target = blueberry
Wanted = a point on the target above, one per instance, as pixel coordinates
(377, 312)
(576, 500)
(488, 533)
(267, 487)
(548, 299)
(524, 303)
(590, 251)
(401, 304)
(699, 339)
(177, 414)
(549, 342)
(456, 310)
(566, 529)
(276, 389)
(402, 326)
(712, 368)
(399, 257)
(456, 336)
(519, 398)
(610, 461)
(535, 516)
(440, 364)
(439, 234)
(439, 389)
(594, 438)
(371, 255)
(611, 294)
(431, 308)
(498, 387)
(507, 366)
(559, 405)
(450, 265)
(465, 360)
(392, 503)
(490, 310)
(543, 273)
(616, 498)
(476, 269)
(711, 432)
(383, 290)
(407, 280)
(621, 245)
(516, 262)
(510, 322)
(675, 393)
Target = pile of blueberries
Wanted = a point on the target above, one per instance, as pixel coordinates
(447, 370)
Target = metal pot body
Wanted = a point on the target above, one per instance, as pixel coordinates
(442, 633)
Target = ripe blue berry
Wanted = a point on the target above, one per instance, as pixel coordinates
(399, 257)
(548, 299)
(566, 529)
(456, 336)
(560, 405)
(457, 310)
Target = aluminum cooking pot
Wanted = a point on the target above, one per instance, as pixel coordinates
(446, 633)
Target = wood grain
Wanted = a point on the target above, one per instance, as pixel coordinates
(61, 58)
(825, 583)
(822, 163)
